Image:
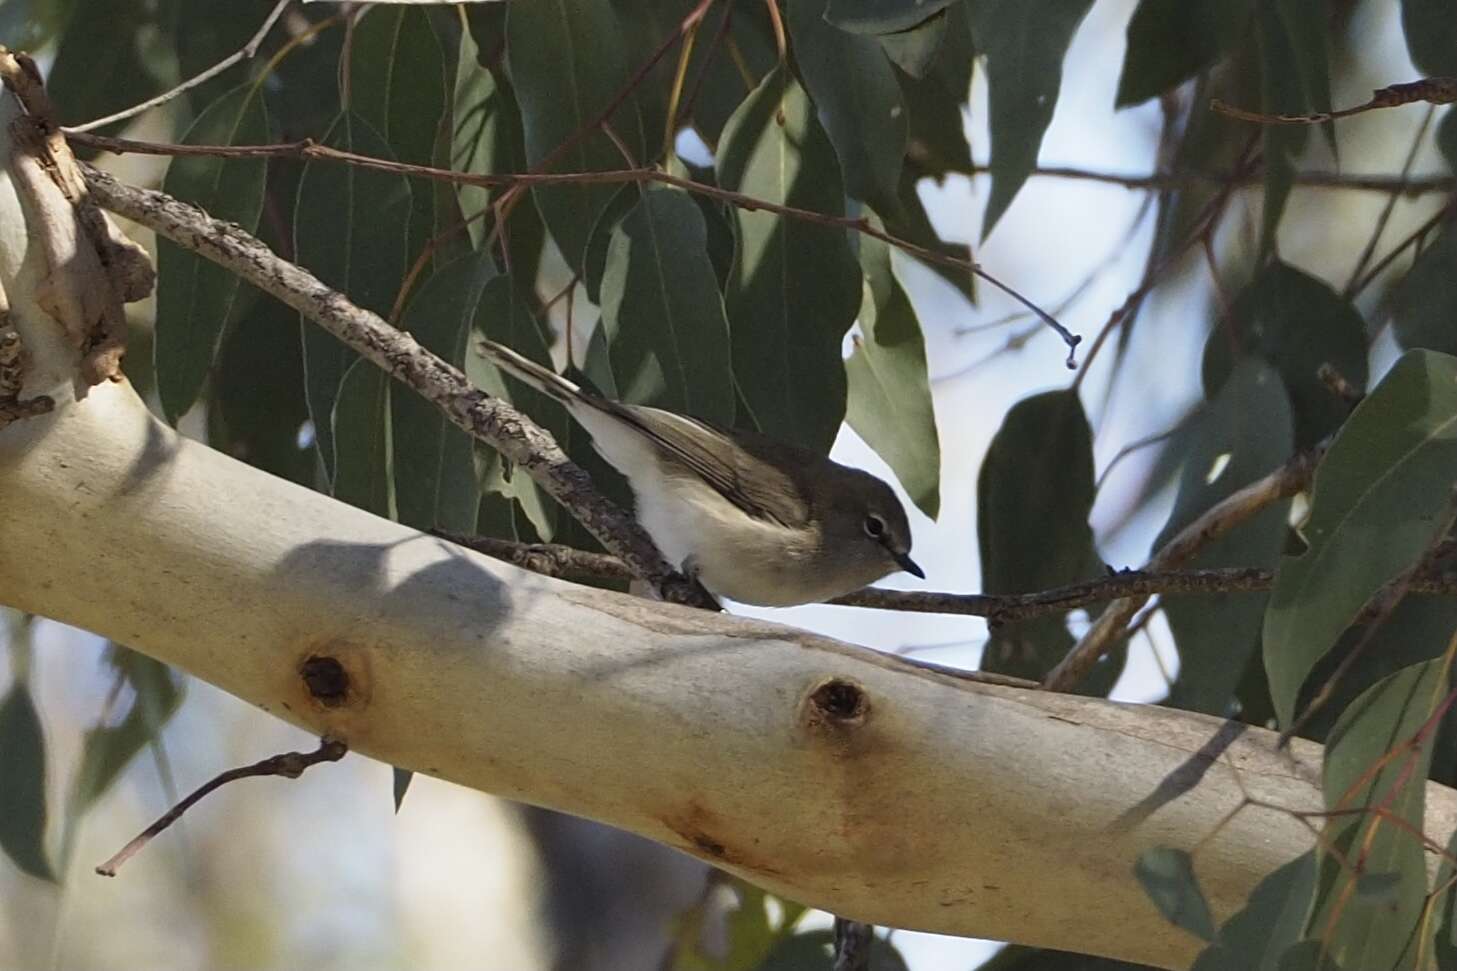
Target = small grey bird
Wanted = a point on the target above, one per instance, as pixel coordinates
(754, 520)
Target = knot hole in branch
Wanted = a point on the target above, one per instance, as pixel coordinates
(837, 702)
(326, 679)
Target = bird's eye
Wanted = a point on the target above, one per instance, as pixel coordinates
(874, 526)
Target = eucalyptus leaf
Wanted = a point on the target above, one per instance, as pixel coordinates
(1245, 434)
(350, 230)
(662, 314)
(1167, 876)
(1364, 928)
(1296, 323)
(1269, 924)
(881, 16)
(1380, 496)
(196, 297)
(1431, 35)
(363, 462)
(915, 50)
(434, 469)
(1425, 305)
(486, 135)
(1033, 497)
(23, 809)
(1169, 41)
(111, 56)
(795, 286)
(854, 87)
(1024, 42)
(568, 61)
(889, 390)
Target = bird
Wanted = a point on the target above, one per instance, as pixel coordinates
(752, 519)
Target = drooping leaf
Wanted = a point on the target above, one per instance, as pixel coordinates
(1168, 878)
(503, 316)
(881, 16)
(362, 447)
(662, 314)
(350, 229)
(1270, 923)
(435, 475)
(1169, 41)
(1024, 42)
(1244, 434)
(1033, 497)
(1431, 35)
(1380, 495)
(795, 286)
(112, 55)
(195, 296)
(568, 62)
(23, 784)
(1296, 323)
(486, 136)
(1425, 308)
(397, 85)
(1367, 929)
(1294, 80)
(889, 390)
(257, 407)
(855, 89)
(915, 50)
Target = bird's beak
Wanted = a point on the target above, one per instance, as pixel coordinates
(909, 565)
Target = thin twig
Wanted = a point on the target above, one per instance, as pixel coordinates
(1223, 516)
(1413, 239)
(290, 765)
(1434, 91)
(311, 150)
(244, 53)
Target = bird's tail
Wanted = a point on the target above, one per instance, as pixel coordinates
(543, 379)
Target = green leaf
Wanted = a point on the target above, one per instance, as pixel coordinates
(594, 264)
(362, 459)
(112, 55)
(1425, 303)
(1380, 496)
(1294, 80)
(1033, 497)
(1444, 941)
(486, 133)
(854, 87)
(881, 16)
(914, 50)
(795, 287)
(1431, 35)
(350, 227)
(402, 779)
(1168, 878)
(1364, 930)
(1242, 436)
(662, 313)
(568, 62)
(503, 316)
(890, 392)
(195, 296)
(936, 143)
(1272, 920)
(23, 784)
(714, 72)
(1296, 323)
(1016, 957)
(1024, 42)
(1169, 41)
(397, 85)
(435, 475)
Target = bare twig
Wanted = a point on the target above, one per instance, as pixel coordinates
(244, 53)
(290, 765)
(1435, 91)
(1369, 249)
(484, 417)
(1223, 516)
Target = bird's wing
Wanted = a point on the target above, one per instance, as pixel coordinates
(735, 472)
